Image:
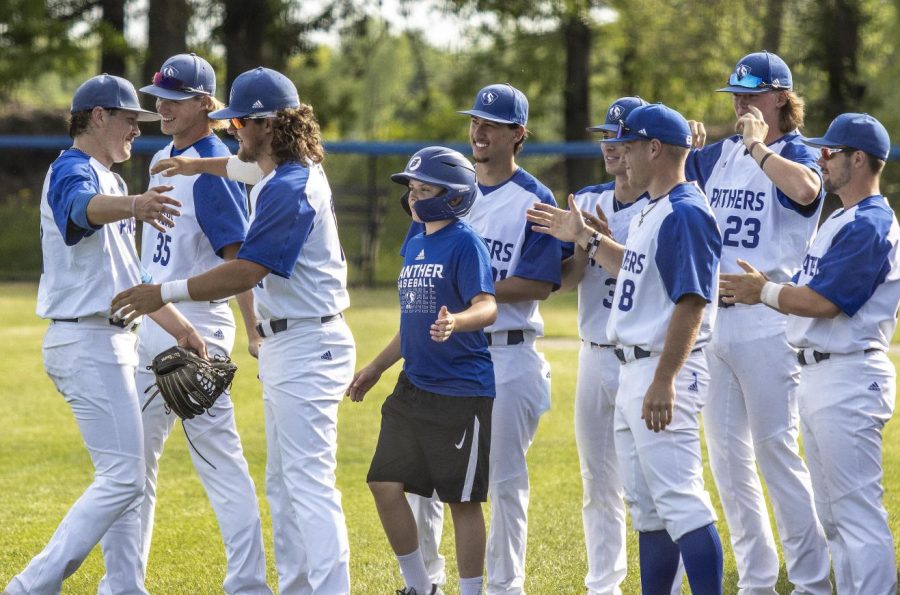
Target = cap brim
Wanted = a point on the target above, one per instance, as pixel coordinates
(143, 115)
(747, 90)
(168, 93)
(487, 116)
(821, 141)
(227, 113)
(603, 128)
(625, 138)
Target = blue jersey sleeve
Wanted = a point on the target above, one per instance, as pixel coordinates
(688, 251)
(541, 255)
(855, 264)
(221, 208)
(473, 269)
(700, 163)
(414, 230)
(282, 224)
(799, 153)
(73, 183)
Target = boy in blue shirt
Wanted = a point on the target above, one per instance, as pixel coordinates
(436, 425)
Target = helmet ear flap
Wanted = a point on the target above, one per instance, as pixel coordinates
(404, 202)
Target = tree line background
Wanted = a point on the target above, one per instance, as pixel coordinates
(377, 82)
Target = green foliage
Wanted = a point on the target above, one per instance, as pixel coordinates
(37, 37)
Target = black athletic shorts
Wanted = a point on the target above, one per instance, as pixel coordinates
(430, 442)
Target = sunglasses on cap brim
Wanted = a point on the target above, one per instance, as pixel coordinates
(172, 83)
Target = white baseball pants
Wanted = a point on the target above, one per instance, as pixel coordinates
(92, 365)
(602, 510)
(663, 472)
(751, 417)
(304, 372)
(845, 402)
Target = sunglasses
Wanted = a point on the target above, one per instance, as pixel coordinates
(829, 152)
(239, 123)
(746, 80)
(623, 130)
(175, 84)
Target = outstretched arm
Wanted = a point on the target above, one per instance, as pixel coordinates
(753, 287)
(227, 279)
(570, 226)
(152, 207)
(224, 167)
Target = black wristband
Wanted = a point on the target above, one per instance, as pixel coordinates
(762, 161)
(753, 146)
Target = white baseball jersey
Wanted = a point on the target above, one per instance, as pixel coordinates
(853, 263)
(85, 265)
(498, 216)
(293, 233)
(759, 223)
(672, 250)
(597, 287)
(213, 215)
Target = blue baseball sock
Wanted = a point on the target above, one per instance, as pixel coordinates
(659, 562)
(701, 551)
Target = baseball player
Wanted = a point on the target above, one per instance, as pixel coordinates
(436, 425)
(603, 511)
(212, 226)
(765, 189)
(293, 259)
(526, 268)
(843, 311)
(87, 240)
(662, 315)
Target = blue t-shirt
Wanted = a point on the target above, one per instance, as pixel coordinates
(447, 268)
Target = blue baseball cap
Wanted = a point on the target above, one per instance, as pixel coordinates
(759, 72)
(501, 103)
(654, 121)
(259, 92)
(857, 131)
(110, 92)
(617, 112)
(181, 77)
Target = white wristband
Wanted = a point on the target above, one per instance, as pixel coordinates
(243, 171)
(769, 294)
(175, 291)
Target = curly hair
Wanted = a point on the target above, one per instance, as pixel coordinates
(297, 136)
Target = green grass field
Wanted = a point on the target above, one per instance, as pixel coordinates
(44, 467)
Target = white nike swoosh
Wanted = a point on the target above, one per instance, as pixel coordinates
(463, 439)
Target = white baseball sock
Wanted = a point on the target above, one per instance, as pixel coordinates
(412, 567)
(470, 586)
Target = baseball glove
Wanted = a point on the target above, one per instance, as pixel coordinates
(188, 383)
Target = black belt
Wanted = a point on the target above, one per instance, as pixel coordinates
(600, 345)
(112, 321)
(278, 325)
(818, 356)
(642, 353)
(512, 337)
